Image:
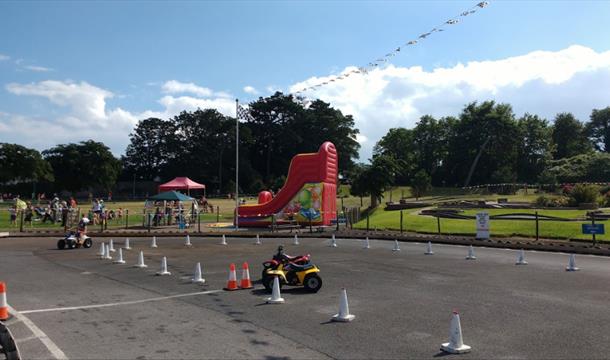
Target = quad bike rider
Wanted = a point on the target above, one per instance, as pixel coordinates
(76, 239)
(291, 270)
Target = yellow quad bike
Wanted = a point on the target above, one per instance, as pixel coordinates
(290, 273)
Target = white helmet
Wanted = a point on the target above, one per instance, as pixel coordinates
(85, 220)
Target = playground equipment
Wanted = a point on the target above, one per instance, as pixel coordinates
(307, 197)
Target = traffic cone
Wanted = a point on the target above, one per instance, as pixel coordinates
(258, 240)
(572, 263)
(197, 278)
(367, 244)
(127, 247)
(429, 249)
(232, 283)
(396, 247)
(111, 246)
(333, 241)
(343, 315)
(296, 240)
(4, 315)
(154, 242)
(455, 344)
(164, 268)
(102, 252)
(107, 255)
(471, 255)
(187, 242)
(276, 297)
(140, 263)
(120, 259)
(245, 277)
(224, 240)
(521, 258)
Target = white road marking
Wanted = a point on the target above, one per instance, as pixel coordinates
(50, 345)
(119, 303)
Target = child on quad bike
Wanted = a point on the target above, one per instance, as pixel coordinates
(81, 229)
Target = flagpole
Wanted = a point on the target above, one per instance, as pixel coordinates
(237, 164)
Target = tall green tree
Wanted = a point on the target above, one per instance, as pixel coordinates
(569, 137)
(598, 129)
(399, 145)
(154, 145)
(431, 139)
(376, 178)
(421, 183)
(20, 164)
(535, 147)
(81, 166)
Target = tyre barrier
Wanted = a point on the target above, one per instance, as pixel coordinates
(7, 344)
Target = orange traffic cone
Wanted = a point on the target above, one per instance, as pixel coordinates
(232, 284)
(245, 278)
(3, 303)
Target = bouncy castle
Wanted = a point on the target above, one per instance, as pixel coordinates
(308, 196)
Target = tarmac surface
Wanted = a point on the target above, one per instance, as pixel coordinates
(73, 305)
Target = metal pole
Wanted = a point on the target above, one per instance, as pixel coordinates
(198, 221)
(236, 164)
(400, 222)
(593, 223)
(537, 227)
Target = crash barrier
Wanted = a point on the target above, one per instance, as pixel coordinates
(8, 347)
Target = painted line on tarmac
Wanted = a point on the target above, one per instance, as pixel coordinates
(47, 342)
(119, 303)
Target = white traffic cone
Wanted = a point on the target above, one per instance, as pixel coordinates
(187, 241)
(276, 297)
(471, 255)
(429, 249)
(258, 240)
(367, 244)
(296, 240)
(396, 247)
(140, 263)
(197, 277)
(102, 252)
(127, 247)
(343, 315)
(107, 254)
(111, 246)
(120, 259)
(572, 263)
(164, 267)
(154, 242)
(333, 241)
(521, 258)
(455, 344)
(224, 240)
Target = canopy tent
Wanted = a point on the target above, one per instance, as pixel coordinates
(170, 196)
(181, 183)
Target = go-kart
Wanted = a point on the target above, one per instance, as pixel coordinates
(291, 270)
(72, 240)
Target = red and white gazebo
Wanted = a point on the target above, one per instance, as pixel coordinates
(181, 183)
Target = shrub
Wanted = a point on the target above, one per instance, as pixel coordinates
(585, 194)
(547, 201)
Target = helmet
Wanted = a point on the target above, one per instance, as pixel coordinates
(85, 220)
(280, 248)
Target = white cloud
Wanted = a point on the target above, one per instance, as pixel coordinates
(177, 87)
(250, 90)
(4, 57)
(575, 79)
(37, 68)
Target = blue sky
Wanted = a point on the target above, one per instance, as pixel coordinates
(74, 70)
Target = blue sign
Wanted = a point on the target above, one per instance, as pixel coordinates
(341, 221)
(593, 229)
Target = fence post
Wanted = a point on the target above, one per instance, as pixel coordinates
(593, 223)
(198, 221)
(367, 222)
(148, 220)
(438, 224)
(101, 224)
(217, 214)
(400, 222)
(126, 218)
(537, 227)
(21, 221)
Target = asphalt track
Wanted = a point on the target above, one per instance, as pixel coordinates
(72, 304)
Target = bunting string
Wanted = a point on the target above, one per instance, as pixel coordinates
(386, 58)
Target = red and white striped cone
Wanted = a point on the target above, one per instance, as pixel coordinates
(4, 315)
(232, 283)
(245, 278)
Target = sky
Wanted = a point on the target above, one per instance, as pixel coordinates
(72, 71)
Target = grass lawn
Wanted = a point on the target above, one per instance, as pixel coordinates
(554, 229)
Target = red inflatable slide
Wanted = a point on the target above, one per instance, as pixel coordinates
(309, 194)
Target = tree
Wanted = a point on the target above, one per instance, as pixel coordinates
(421, 183)
(598, 129)
(153, 146)
(569, 137)
(535, 148)
(430, 138)
(376, 178)
(85, 165)
(20, 164)
(398, 144)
